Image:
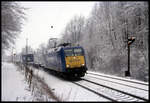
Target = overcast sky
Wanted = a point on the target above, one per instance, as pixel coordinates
(42, 15)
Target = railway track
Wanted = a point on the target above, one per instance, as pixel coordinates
(119, 83)
(130, 81)
(108, 92)
(95, 92)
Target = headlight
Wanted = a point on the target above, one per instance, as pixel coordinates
(82, 64)
(67, 66)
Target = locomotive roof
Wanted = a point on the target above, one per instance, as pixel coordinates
(54, 49)
(27, 54)
(73, 47)
(62, 47)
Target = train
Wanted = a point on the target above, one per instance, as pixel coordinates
(68, 61)
(24, 58)
(28, 58)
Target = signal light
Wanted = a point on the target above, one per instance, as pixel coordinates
(131, 40)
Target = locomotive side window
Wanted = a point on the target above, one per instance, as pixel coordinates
(69, 52)
(28, 58)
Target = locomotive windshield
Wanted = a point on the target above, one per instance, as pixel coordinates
(73, 52)
(69, 52)
(78, 52)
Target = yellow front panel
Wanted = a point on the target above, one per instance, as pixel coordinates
(75, 61)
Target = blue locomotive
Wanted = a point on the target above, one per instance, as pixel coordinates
(69, 61)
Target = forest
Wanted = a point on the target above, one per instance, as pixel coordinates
(103, 35)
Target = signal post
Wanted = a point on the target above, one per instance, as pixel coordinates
(130, 41)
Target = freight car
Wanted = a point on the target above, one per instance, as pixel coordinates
(25, 58)
(68, 61)
(28, 58)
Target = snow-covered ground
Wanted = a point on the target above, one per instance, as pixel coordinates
(14, 87)
(122, 78)
(66, 90)
(71, 92)
(113, 84)
(127, 86)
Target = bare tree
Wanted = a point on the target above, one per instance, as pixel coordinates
(30, 50)
(74, 30)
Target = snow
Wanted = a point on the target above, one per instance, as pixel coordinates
(14, 88)
(127, 89)
(121, 82)
(71, 92)
(103, 80)
(128, 78)
(66, 90)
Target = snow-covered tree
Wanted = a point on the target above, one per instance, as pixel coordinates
(12, 16)
(104, 37)
(73, 32)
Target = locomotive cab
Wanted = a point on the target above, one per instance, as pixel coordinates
(75, 61)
